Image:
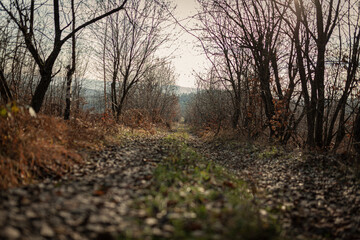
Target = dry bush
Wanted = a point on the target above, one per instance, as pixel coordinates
(92, 131)
(136, 118)
(142, 119)
(32, 148)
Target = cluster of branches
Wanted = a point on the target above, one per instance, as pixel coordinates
(300, 58)
(155, 95)
(42, 48)
(127, 45)
(43, 30)
(20, 76)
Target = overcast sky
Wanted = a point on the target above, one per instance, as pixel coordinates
(181, 50)
(186, 58)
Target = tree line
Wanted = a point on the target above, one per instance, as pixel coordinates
(285, 69)
(46, 49)
(288, 69)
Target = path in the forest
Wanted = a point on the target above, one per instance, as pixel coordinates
(312, 199)
(315, 195)
(88, 203)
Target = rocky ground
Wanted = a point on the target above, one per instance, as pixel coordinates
(91, 202)
(310, 196)
(315, 196)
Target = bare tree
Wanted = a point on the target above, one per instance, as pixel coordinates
(4, 88)
(133, 39)
(70, 69)
(25, 15)
(348, 61)
(230, 62)
(327, 16)
(155, 95)
(210, 107)
(247, 36)
(259, 26)
(4, 41)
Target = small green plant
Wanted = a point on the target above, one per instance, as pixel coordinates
(270, 152)
(200, 200)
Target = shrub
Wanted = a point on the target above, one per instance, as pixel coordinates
(33, 147)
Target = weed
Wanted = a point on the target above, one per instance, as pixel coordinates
(270, 153)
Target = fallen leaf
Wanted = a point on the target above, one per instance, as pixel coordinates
(229, 184)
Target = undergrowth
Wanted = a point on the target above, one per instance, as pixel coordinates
(36, 147)
(200, 200)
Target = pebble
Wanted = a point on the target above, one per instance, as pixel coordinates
(168, 228)
(30, 214)
(46, 231)
(151, 221)
(72, 210)
(11, 233)
(306, 189)
(68, 208)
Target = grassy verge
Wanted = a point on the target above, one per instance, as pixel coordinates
(191, 198)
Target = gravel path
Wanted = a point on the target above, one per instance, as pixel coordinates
(312, 198)
(90, 203)
(315, 196)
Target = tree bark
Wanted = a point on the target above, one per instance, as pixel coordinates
(4, 88)
(71, 69)
(40, 91)
(320, 88)
(113, 97)
(68, 92)
(235, 117)
(356, 142)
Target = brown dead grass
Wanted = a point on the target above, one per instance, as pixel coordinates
(33, 148)
(142, 119)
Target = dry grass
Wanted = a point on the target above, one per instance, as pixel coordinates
(142, 119)
(33, 148)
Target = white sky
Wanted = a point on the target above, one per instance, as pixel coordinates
(186, 58)
(182, 51)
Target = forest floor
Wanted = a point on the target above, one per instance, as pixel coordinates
(173, 185)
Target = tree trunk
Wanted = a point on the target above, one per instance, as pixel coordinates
(237, 111)
(121, 105)
(104, 64)
(68, 93)
(71, 69)
(341, 129)
(4, 88)
(113, 97)
(39, 95)
(235, 117)
(320, 87)
(356, 131)
(268, 100)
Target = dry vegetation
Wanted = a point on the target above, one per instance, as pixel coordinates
(42, 146)
(32, 147)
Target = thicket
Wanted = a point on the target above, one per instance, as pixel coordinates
(286, 71)
(47, 54)
(37, 146)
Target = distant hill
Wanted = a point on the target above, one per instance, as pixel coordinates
(93, 91)
(98, 85)
(179, 90)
